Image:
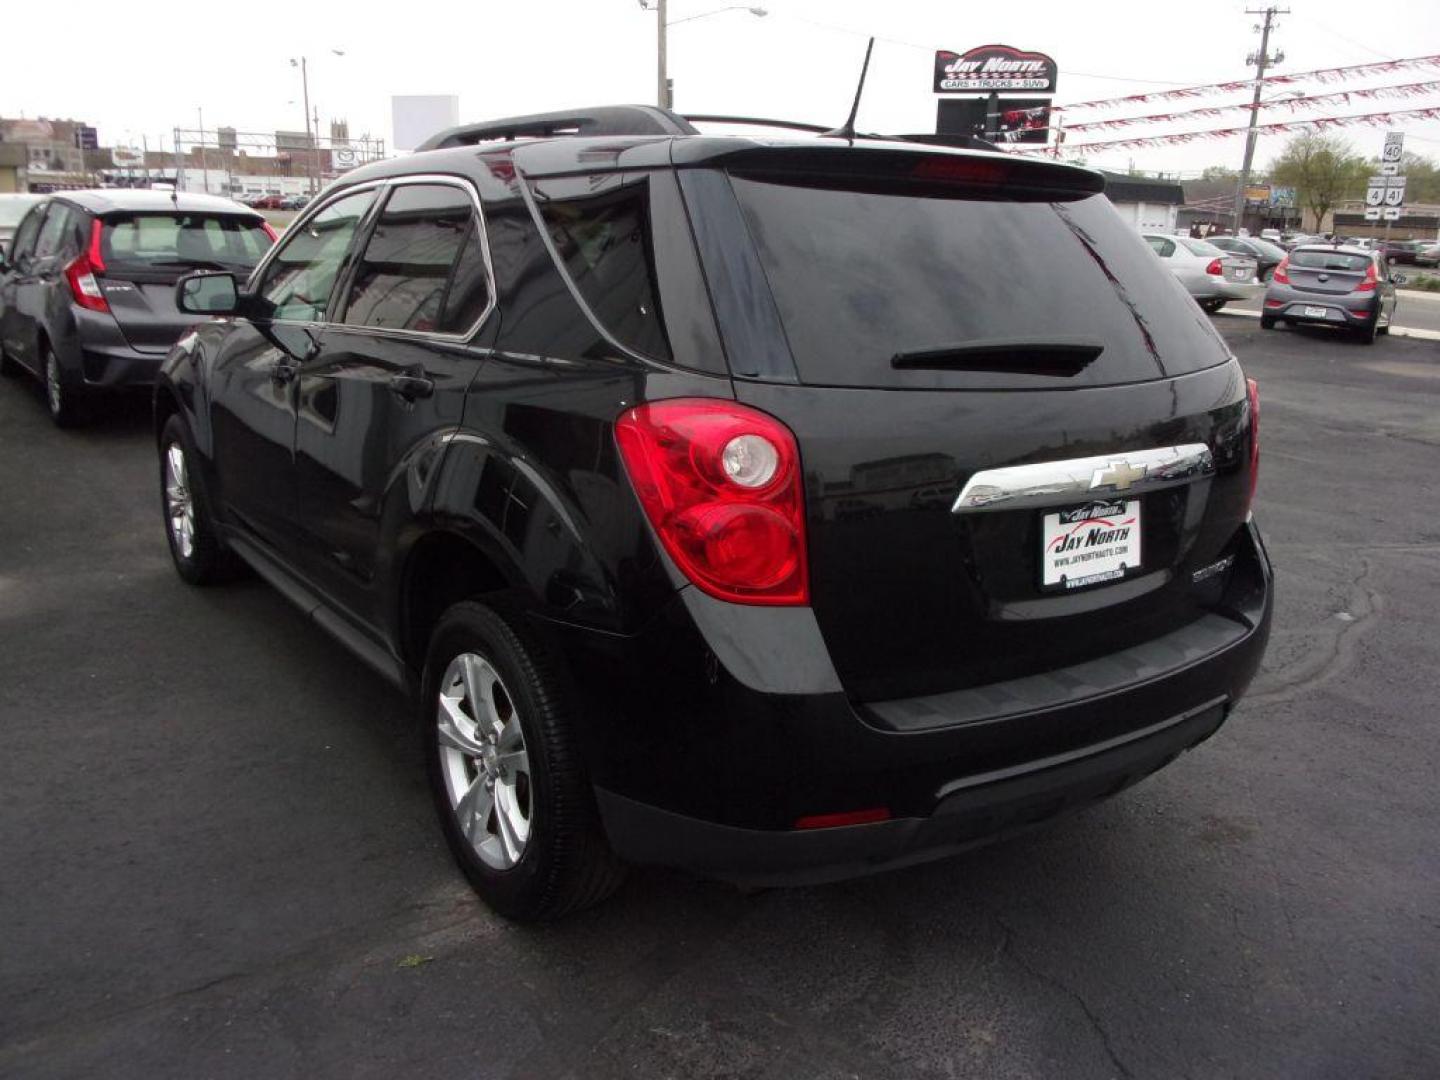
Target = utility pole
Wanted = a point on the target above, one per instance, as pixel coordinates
(662, 89)
(1261, 60)
(204, 164)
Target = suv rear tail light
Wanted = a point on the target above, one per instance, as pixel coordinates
(720, 483)
(1281, 274)
(80, 274)
(1214, 267)
(1371, 279)
(1252, 394)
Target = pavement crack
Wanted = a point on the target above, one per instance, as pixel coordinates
(1335, 649)
(1007, 948)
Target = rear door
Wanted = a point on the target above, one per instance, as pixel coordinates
(143, 255)
(999, 337)
(17, 330)
(389, 381)
(42, 296)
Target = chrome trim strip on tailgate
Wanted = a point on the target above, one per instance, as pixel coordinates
(1105, 476)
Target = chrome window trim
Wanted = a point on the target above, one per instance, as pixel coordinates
(384, 186)
(1074, 480)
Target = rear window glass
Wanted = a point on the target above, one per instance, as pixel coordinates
(927, 290)
(1199, 247)
(170, 241)
(606, 246)
(1328, 260)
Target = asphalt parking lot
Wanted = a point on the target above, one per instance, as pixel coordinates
(218, 858)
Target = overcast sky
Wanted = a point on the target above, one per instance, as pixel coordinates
(143, 70)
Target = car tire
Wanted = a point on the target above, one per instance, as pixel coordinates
(1366, 334)
(1211, 306)
(199, 554)
(513, 797)
(64, 402)
(1267, 323)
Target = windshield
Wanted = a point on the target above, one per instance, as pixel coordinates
(180, 241)
(901, 289)
(12, 209)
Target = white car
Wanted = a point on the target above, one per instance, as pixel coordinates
(12, 209)
(1213, 277)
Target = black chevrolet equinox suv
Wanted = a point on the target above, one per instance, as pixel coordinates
(779, 510)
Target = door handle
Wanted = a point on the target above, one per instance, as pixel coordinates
(411, 387)
(283, 373)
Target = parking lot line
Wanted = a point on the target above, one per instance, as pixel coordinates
(1398, 331)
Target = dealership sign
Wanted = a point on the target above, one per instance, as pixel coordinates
(993, 67)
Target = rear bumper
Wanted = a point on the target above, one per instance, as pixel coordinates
(1237, 290)
(119, 368)
(95, 357)
(1332, 312)
(715, 779)
(976, 810)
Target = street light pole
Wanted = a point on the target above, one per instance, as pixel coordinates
(664, 91)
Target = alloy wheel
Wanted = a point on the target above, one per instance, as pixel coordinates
(484, 761)
(179, 503)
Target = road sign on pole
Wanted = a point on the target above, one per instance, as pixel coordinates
(1391, 213)
(1372, 213)
(1394, 147)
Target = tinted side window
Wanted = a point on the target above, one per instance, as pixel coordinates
(423, 267)
(298, 280)
(54, 236)
(25, 234)
(606, 246)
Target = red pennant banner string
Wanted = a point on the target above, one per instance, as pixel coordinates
(1323, 123)
(1028, 121)
(1321, 75)
(1339, 97)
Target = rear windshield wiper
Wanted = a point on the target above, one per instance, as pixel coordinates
(196, 264)
(1060, 358)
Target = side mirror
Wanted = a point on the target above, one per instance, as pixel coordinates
(207, 294)
(1398, 279)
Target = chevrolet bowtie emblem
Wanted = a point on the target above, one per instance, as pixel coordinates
(1118, 475)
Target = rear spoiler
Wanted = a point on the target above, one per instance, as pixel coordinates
(877, 164)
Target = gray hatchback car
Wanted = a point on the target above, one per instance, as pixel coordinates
(1331, 285)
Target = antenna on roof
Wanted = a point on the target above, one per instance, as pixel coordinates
(847, 129)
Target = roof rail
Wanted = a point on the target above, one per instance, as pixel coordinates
(604, 120)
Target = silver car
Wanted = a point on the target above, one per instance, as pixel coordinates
(1213, 277)
(12, 209)
(1347, 287)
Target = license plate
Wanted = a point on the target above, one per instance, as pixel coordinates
(1240, 274)
(1090, 544)
(1317, 313)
